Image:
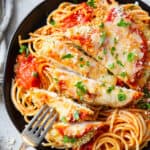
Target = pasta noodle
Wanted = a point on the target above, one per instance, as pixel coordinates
(90, 62)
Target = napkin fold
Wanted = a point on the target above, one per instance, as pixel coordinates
(7, 10)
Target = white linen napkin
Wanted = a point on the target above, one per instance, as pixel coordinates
(7, 7)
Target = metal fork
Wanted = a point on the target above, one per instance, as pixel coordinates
(35, 131)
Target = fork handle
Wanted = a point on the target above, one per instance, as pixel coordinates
(25, 146)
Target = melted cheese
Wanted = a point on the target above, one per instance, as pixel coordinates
(66, 108)
(58, 47)
(120, 44)
(98, 91)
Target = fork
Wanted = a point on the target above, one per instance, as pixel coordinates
(35, 131)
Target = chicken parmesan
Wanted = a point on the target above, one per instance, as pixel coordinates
(91, 63)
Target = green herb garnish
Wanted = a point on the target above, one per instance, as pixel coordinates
(104, 51)
(81, 59)
(111, 66)
(56, 79)
(67, 139)
(102, 38)
(81, 89)
(109, 90)
(52, 22)
(99, 58)
(123, 74)
(120, 63)
(130, 56)
(76, 115)
(81, 65)
(91, 3)
(121, 96)
(123, 23)
(67, 56)
(88, 63)
(63, 119)
(112, 50)
(24, 49)
(101, 25)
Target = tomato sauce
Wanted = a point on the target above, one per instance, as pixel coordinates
(112, 14)
(26, 72)
(62, 85)
(80, 16)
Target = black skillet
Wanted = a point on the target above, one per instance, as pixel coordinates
(34, 20)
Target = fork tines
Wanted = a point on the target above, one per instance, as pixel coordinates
(39, 125)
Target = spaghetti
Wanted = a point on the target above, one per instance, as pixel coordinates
(91, 63)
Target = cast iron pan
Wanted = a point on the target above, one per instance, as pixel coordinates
(34, 20)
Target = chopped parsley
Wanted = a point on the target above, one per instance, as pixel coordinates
(35, 74)
(102, 38)
(81, 59)
(56, 79)
(120, 63)
(104, 51)
(67, 56)
(123, 23)
(63, 119)
(91, 3)
(130, 56)
(76, 115)
(52, 22)
(67, 139)
(112, 50)
(101, 25)
(111, 66)
(123, 74)
(88, 63)
(24, 49)
(109, 90)
(121, 96)
(99, 58)
(80, 89)
(81, 65)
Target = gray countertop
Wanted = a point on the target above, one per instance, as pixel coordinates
(9, 136)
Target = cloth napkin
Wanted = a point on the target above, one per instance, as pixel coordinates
(7, 7)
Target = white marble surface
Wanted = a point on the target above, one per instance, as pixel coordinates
(9, 136)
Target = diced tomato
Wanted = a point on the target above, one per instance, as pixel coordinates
(26, 72)
(80, 16)
(112, 14)
(82, 40)
(83, 115)
(61, 129)
(67, 130)
(62, 85)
